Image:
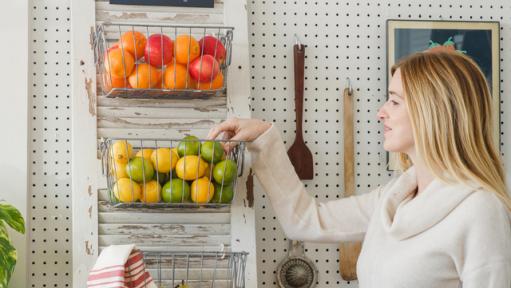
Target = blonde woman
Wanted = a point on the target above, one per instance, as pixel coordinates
(444, 222)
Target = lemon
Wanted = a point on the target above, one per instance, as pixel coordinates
(202, 190)
(190, 167)
(151, 192)
(121, 151)
(126, 190)
(164, 159)
(144, 153)
(118, 170)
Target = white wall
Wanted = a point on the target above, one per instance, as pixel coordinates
(13, 119)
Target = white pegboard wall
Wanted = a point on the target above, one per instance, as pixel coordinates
(344, 39)
(49, 166)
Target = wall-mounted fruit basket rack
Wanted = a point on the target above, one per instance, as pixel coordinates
(162, 61)
(172, 173)
(194, 270)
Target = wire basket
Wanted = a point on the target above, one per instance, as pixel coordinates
(172, 173)
(197, 269)
(162, 61)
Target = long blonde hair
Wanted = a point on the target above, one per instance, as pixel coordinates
(449, 104)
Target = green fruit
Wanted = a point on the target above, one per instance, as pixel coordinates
(188, 146)
(223, 194)
(176, 191)
(211, 151)
(162, 178)
(225, 172)
(140, 169)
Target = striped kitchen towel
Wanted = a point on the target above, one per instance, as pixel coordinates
(120, 266)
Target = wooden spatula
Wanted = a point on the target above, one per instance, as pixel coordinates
(348, 251)
(299, 154)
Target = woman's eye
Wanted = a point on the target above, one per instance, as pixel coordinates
(394, 102)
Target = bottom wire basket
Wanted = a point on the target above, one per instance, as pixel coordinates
(197, 269)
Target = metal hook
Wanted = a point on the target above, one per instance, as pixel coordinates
(348, 85)
(297, 41)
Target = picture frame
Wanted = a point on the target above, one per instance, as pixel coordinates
(478, 39)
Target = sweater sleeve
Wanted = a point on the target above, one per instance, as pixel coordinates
(301, 217)
(487, 248)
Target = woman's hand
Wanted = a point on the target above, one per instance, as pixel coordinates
(236, 129)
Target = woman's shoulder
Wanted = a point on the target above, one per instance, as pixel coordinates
(483, 206)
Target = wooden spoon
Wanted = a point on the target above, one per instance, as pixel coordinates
(299, 154)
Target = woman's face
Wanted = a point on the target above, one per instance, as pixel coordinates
(398, 136)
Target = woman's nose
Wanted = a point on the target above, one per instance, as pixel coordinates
(381, 113)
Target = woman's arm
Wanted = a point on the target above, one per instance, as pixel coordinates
(301, 217)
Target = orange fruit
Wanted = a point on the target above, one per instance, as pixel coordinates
(150, 192)
(217, 83)
(133, 42)
(202, 190)
(127, 191)
(145, 153)
(112, 81)
(175, 76)
(186, 49)
(119, 63)
(145, 76)
(191, 167)
(164, 159)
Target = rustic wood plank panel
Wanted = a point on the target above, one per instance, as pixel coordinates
(159, 240)
(105, 206)
(211, 103)
(154, 123)
(163, 218)
(83, 139)
(106, 6)
(165, 229)
(163, 113)
(150, 133)
(157, 17)
(167, 248)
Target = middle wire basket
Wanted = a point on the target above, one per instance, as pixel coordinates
(172, 173)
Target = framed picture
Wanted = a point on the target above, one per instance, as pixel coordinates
(479, 40)
(180, 3)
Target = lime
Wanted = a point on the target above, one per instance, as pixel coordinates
(225, 172)
(176, 191)
(223, 194)
(211, 151)
(140, 169)
(188, 146)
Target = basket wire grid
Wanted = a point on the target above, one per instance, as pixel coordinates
(197, 269)
(114, 171)
(108, 34)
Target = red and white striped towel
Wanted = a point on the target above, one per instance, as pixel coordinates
(120, 266)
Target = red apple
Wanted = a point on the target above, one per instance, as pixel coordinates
(210, 45)
(159, 50)
(204, 68)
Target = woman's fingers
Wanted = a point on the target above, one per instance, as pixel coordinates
(230, 125)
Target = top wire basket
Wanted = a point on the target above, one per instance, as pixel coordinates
(162, 61)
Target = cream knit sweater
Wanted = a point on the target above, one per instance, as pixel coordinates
(447, 236)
